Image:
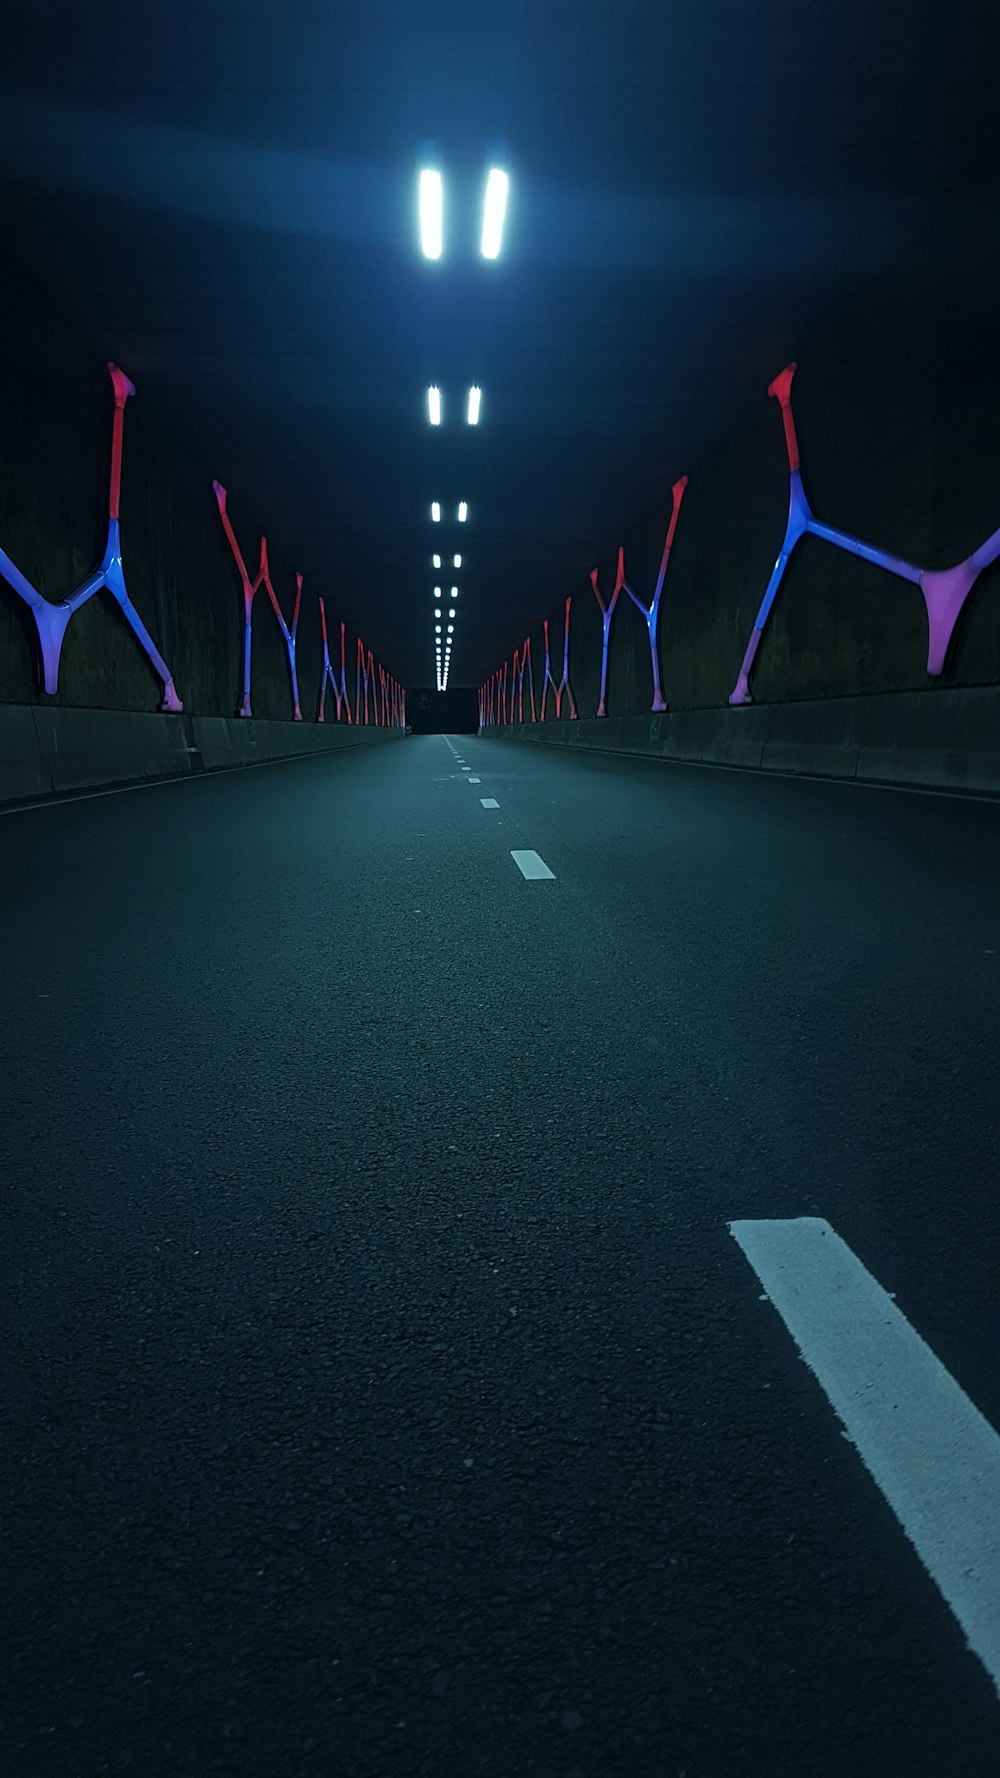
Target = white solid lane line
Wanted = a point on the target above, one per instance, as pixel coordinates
(489, 802)
(531, 866)
(934, 1456)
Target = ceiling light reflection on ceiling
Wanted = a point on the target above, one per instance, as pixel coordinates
(434, 405)
(436, 512)
(463, 511)
(432, 214)
(475, 397)
(494, 209)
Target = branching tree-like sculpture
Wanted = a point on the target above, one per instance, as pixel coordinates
(945, 590)
(250, 588)
(52, 620)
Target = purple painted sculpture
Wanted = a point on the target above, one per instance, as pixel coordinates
(945, 590)
(51, 620)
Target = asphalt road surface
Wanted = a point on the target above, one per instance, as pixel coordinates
(385, 1394)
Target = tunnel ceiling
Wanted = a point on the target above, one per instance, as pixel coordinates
(226, 199)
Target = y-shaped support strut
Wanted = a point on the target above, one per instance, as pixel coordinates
(522, 661)
(262, 579)
(338, 687)
(607, 613)
(945, 590)
(365, 673)
(651, 612)
(564, 684)
(52, 621)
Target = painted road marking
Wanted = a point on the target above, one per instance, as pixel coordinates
(466, 768)
(531, 866)
(489, 802)
(934, 1456)
(475, 780)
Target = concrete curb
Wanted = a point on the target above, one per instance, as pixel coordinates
(933, 740)
(48, 751)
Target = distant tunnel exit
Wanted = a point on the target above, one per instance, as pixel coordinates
(431, 712)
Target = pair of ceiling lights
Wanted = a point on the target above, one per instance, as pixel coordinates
(435, 407)
(432, 213)
(436, 560)
(463, 512)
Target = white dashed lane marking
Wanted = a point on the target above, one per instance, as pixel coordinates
(489, 802)
(475, 780)
(531, 866)
(934, 1456)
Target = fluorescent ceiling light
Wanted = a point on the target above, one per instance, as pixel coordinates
(494, 209)
(437, 592)
(432, 214)
(454, 592)
(437, 611)
(434, 405)
(435, 561)
(437, 629)
(450, 630)
(475, 397)
(458, 562)
(436, 511)
(450, 614)
(463, 511)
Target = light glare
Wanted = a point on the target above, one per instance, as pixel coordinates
(432, 213)
(494, 209)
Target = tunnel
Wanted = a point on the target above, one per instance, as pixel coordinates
(499, 862)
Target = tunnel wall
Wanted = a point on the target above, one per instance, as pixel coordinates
(181, 576)
(897, 409)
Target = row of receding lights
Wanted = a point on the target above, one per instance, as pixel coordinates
(432, 244)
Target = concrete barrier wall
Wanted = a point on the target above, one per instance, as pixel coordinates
(45, 751)
(946, 740)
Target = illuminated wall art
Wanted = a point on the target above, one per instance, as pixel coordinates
(651, 612)
(564, 684)
(338, 687)
(607, 613)
(522, 664)
(250, 588)
(52, 620)
(944, 590)
(365, 677)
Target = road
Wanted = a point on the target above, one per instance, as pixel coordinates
(386, 1394)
